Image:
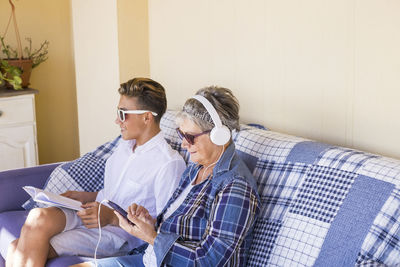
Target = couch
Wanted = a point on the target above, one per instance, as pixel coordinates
(322, 205)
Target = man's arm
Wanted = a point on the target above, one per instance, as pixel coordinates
(83, 197)
(90, 218)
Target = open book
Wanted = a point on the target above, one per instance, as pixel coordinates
(52, 199)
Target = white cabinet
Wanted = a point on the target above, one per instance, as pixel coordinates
(18, 142)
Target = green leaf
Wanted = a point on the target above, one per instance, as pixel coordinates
(17, 79)
(16, 86)
(16, 83)
(4, 63)
(15, 72)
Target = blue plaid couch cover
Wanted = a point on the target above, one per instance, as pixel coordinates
(322, 205)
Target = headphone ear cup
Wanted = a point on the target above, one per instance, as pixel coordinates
(220, 135)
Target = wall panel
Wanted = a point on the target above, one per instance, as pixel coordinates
(322, 69)
(377, 77)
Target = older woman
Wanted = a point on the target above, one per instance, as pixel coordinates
(209, 219)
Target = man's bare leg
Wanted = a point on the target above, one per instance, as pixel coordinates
(13, 246)
(33, 247)
(10, 252)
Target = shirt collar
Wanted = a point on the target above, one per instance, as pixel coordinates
(153, 142)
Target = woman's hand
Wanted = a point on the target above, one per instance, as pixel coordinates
(83, 197)
(89, 215)
(144, 223)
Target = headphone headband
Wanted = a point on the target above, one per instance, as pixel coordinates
(210, 109)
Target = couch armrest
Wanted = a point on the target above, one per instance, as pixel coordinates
(12, 196)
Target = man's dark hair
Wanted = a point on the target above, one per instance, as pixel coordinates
(150, 95)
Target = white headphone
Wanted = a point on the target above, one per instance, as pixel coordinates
(220, 134)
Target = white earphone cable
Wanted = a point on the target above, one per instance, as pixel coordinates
(99, 225)
(222, 152)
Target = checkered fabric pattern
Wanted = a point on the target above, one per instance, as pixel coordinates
(335, 184)
(321, 205)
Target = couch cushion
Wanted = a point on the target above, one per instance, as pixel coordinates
(10, 227)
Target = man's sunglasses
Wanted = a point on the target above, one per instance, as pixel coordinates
(189, 137)
(121, 113)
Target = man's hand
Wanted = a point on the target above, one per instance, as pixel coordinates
(83, 197)
(144, 223)
(89, 215)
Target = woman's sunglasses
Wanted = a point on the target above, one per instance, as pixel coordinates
(121, 113)
(189, 137)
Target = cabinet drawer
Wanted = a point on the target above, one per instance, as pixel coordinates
(16, 110)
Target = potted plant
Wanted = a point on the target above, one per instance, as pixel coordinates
(16, 64)
(16, 67)
(10, 75)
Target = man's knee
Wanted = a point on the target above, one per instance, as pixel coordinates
(49, 220)
(38, 217)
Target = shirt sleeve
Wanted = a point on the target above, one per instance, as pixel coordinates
(232, 215)
(167, 181)
(100, 195)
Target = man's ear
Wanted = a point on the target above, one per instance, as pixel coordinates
(148, 117)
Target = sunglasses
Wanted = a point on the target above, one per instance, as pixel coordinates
(121, 113)
(189, 137)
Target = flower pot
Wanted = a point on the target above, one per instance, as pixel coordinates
(26, 66)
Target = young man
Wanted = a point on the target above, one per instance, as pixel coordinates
(143, 169)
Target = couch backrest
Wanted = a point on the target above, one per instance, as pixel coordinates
(322, 205)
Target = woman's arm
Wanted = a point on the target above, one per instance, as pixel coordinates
(232, 216)
(143, 226)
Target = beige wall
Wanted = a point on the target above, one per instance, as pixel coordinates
(55, 79)
(133, 39)
(325, 70)
(97, 70)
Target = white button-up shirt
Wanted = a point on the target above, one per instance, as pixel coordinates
(146, 176)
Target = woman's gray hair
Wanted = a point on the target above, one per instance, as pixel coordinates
(224, 102)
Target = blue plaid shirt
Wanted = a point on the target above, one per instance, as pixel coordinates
(214, 224)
